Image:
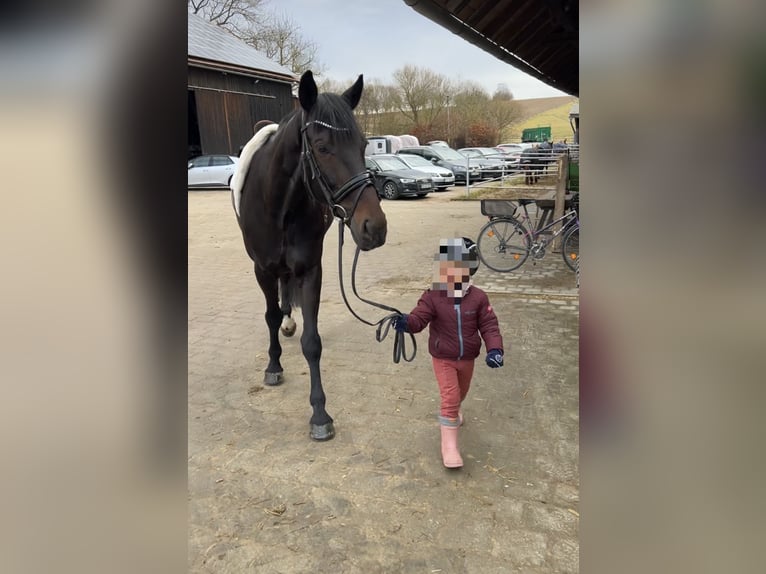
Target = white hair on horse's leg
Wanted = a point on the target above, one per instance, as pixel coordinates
(288, 326)
(238, 181)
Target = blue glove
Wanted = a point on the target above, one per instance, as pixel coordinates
(400, 323)
(495, 359)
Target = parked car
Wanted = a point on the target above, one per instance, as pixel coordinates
(446, 157)
(511, 148)
(211, 170)
(394, 179)
(489, 159)
(443, 177)
(517, 146)
(511, 157)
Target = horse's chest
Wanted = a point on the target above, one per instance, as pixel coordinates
(302, 246)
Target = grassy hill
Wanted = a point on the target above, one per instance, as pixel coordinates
(553, 112)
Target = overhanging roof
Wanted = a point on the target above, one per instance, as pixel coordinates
(539, 37)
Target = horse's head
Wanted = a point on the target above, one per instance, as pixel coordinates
(333, 147)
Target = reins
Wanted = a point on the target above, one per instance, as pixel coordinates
(383, 325)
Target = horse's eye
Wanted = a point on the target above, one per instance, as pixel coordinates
(323, 149)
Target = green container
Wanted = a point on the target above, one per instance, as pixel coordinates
(540, 134)
(573, 181)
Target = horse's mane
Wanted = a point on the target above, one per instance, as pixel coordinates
(330, 112)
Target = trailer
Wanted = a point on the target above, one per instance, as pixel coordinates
(536, 135)
(389, 144)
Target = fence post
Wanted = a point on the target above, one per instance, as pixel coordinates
(560, 199)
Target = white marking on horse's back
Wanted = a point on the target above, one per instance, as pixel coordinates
(243, 165)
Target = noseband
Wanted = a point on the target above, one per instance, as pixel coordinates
(311, 172)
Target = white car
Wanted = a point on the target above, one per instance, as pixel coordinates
(443, 177)
(211, 170)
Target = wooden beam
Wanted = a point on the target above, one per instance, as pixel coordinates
(560, 199)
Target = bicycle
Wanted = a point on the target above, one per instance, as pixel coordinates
(504, 243)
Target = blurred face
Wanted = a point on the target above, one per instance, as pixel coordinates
(453, 277)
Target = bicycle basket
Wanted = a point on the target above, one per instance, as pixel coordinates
(498, 207)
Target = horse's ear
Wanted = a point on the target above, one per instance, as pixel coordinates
(354, 93)
(307, 91)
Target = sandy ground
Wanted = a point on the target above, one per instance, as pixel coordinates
(265, 498)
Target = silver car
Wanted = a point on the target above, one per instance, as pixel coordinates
(211, 170)
(443, 177)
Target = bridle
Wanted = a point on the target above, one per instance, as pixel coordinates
(311, 172)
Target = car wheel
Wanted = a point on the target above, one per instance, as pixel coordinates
(390, 191)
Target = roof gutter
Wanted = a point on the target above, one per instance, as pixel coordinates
(242, 70)
(447, 20)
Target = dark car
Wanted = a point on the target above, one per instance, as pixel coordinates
(394, 179)
(447, 157)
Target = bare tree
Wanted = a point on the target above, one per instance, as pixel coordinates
(502, 93)
(281, 40)
(423, 94)
(503, 110)
(237, 16)
(430, 106)
(278, 37)
(371, 106)
(334, 86)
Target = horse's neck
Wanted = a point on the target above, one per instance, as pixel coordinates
(293, 197)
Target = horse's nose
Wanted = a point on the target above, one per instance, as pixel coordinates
(375, 232)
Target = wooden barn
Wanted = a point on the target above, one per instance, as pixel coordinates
(231, 86)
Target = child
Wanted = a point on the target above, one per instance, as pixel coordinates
(457, 313)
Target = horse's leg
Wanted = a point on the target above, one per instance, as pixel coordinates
(288, 323)
(268, 285)
(320, 423)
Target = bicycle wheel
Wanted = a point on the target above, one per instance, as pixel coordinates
(570, 247)
(503, 244)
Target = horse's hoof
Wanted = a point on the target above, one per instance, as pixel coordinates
(322, 432)
(288, 326)
(273, 379)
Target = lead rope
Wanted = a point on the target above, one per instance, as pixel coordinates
(383, 325)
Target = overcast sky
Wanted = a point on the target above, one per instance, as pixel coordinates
(377, 37)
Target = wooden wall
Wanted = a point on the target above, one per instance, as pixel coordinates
(228, 105)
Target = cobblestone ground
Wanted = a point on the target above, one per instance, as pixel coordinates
(264, 498)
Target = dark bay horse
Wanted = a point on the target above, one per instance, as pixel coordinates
(291, 179)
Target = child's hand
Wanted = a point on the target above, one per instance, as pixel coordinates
(400, 323)
(495, 358)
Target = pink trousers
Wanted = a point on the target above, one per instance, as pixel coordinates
(454, 378)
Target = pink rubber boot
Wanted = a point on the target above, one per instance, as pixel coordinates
(450, 453)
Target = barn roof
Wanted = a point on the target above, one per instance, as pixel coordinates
(538, 37)
(210, 46)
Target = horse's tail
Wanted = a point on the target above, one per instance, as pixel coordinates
(243, 165)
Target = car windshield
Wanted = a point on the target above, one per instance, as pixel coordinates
(390, 163)
(448, 153)
(417, 161)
